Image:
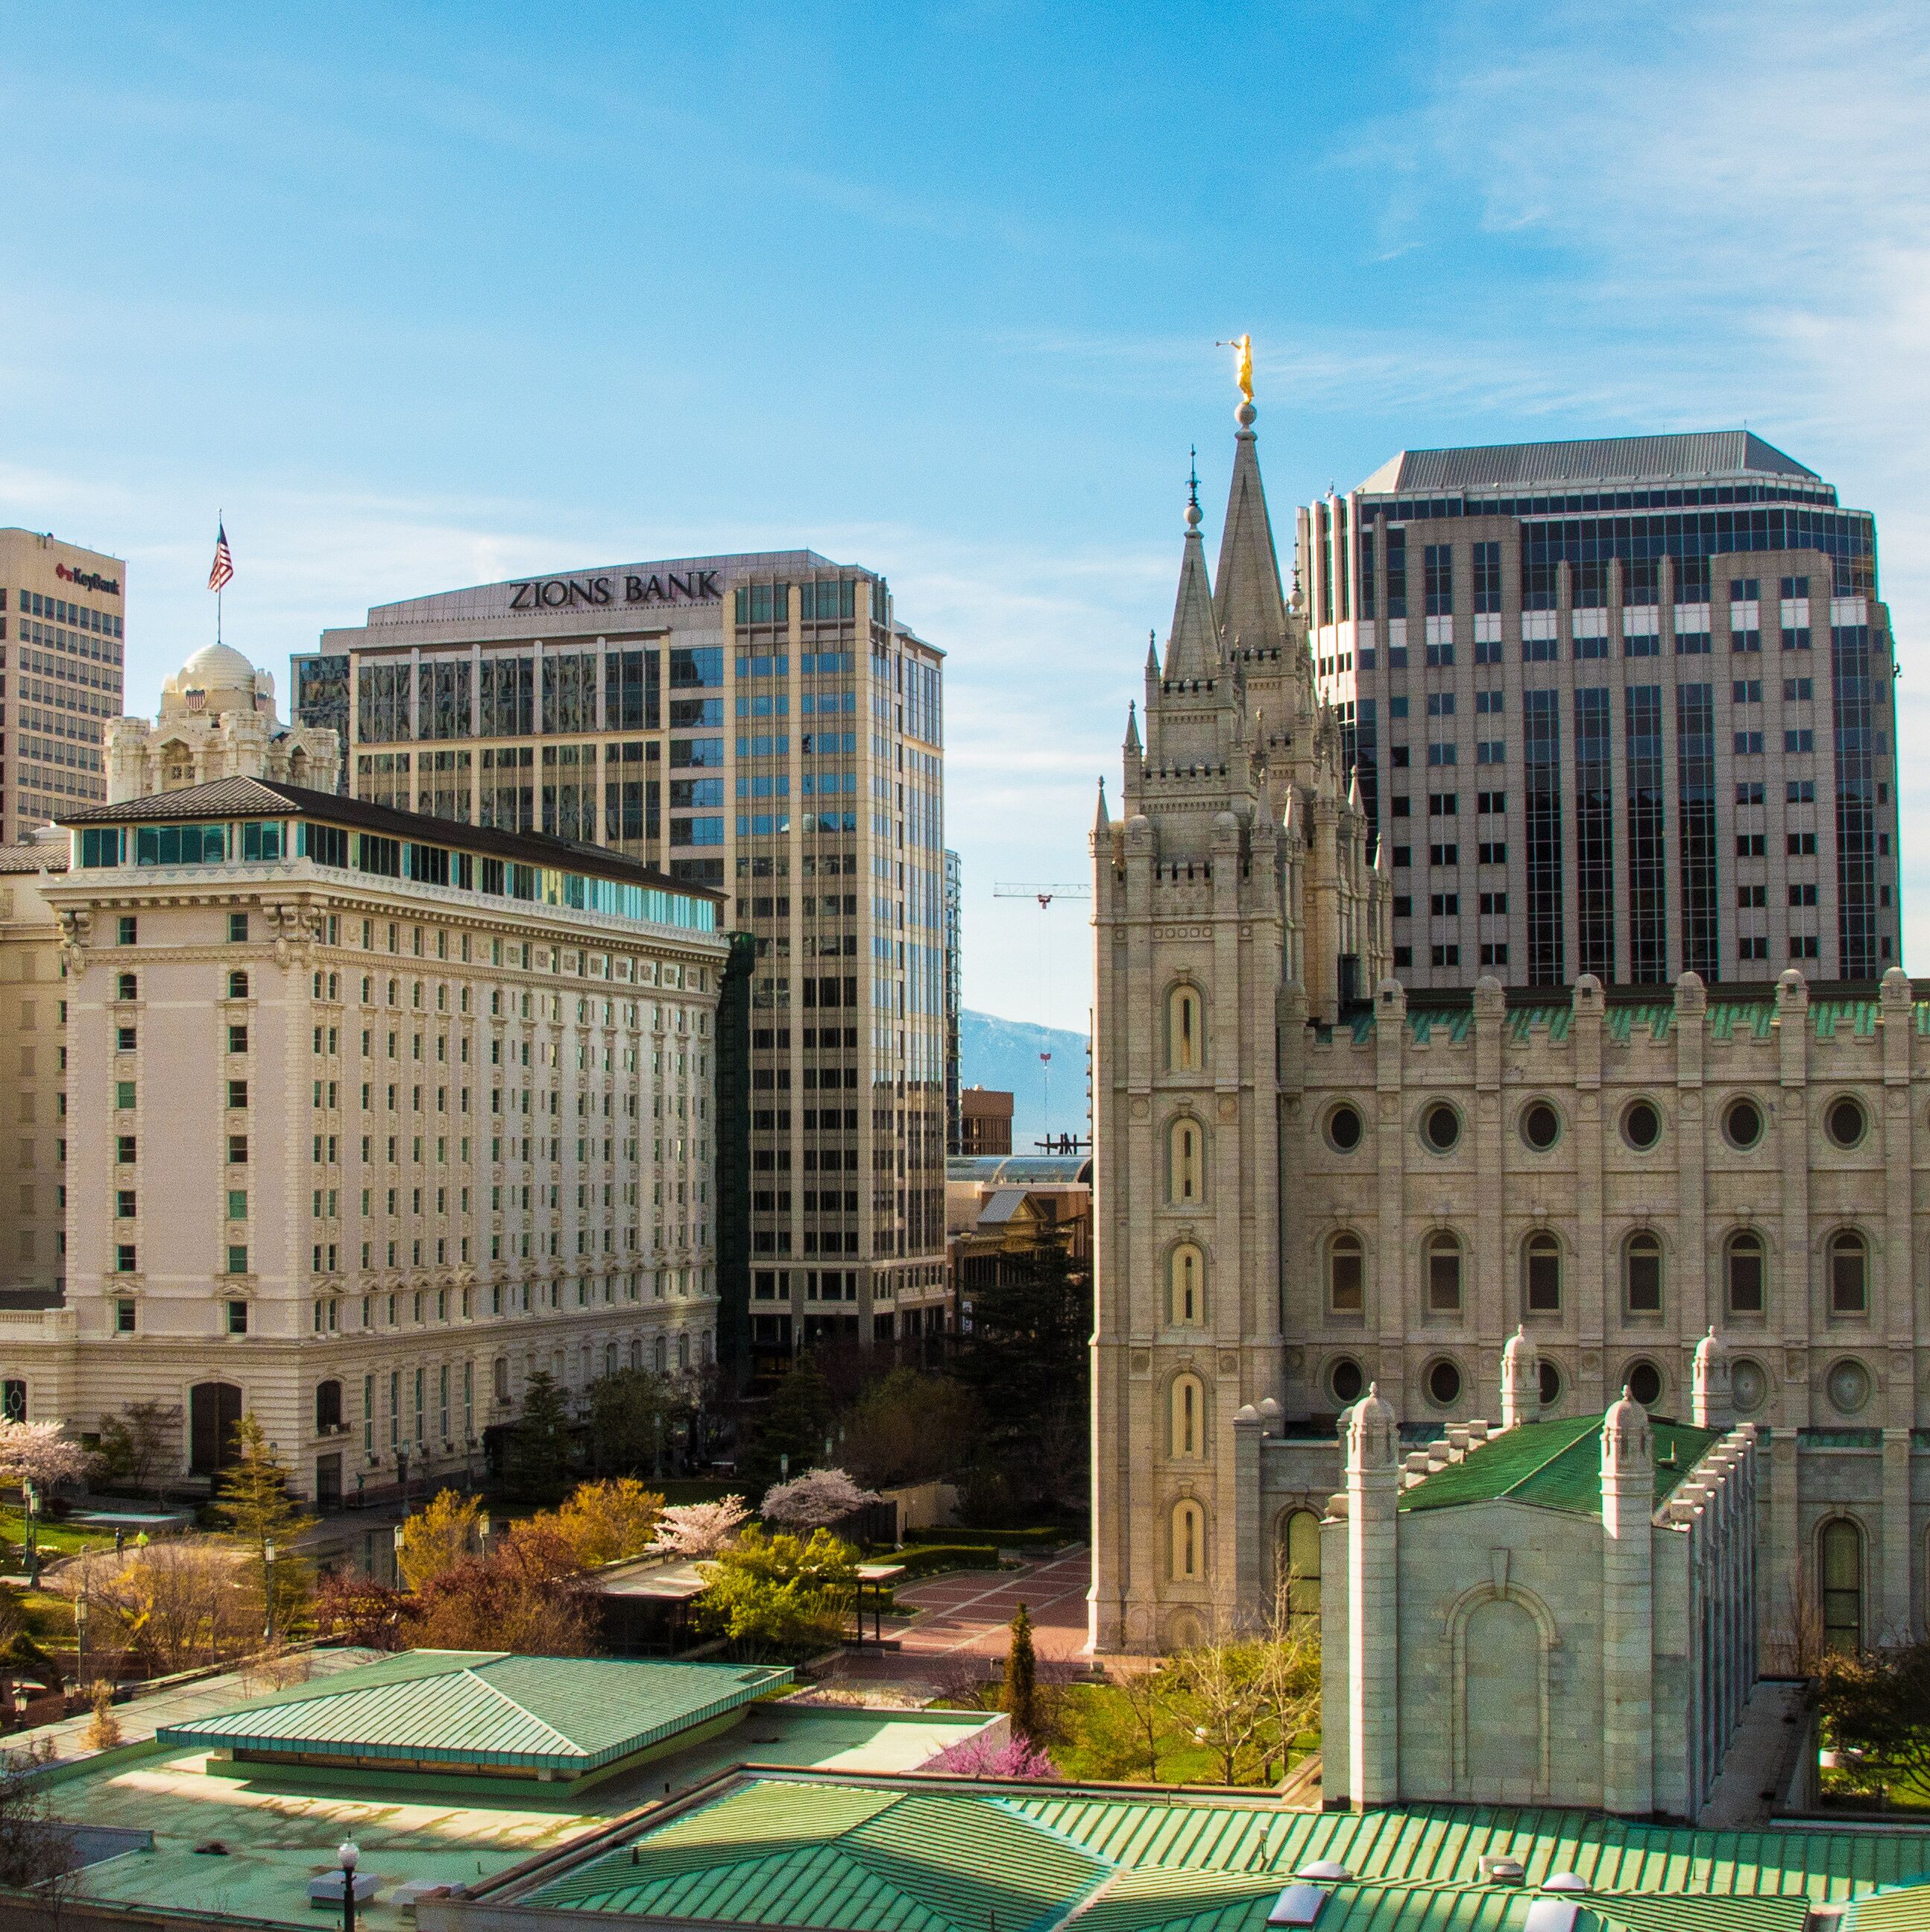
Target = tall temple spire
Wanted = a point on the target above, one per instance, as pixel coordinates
(1192, 648)
(1246, 602)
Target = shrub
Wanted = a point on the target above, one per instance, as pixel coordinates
(1048, 1537)
(930, 1559)
(1018, 1756)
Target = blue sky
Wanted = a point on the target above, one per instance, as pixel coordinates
(425, 297)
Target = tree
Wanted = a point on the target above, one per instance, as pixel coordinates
(1878, 1704)
(104, 1729)
(912, 1428)
(603, 1522)
(42, 1453)
(1145, 1696)
(1014, 1756)
(436, 1536)
(539, 1457)
(691, 1530)
(135, 1443)
(1019, 1699)
(527, 1595)
(359, 1610)
(632, 1413)
(179, 1603)
(815, 1500)
(255, 1502)
(794, 1424)
(37, 1852)
(778, 1596)
(1247, 1697)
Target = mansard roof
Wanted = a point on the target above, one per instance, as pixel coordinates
(1607, 459)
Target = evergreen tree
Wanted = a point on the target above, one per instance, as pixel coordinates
(795, 1423)
(255, 1504)
(538, 1457)
(1019, 1699)
(632, 1414)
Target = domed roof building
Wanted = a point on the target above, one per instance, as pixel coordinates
(218, 720)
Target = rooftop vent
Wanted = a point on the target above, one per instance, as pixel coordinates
(1325, 1871)
(1565, 1881)
(1296, 1905)
(1498, 1868)
(1551, 1915)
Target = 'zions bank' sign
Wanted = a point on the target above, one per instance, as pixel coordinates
(568, 593)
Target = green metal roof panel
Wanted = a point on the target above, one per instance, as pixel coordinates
(1905, 1908)
(1658, 1018)
(485, 1708)
(1555, 1466)
(1757, 1016)
(1675, 1911)
(1555, 1020)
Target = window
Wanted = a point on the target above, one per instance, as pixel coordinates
(125, 1260)
(13, 1400)
(1186, 1049)
(1541, 1274)
(124, 1149)
(1845, 1122)
(1189, 1543)
(1297, 1563)
(1644, 1381)
(1345, 1129)
(1346, 1275)
(1743, 1273)
(129, 930)
(1642, 1274)
(238, 928)
(1848, 1384)
(238, 1259)
(1849, 1274)
(1549, 1375)
(123, 1093)
(1839, 1563)
(238, 1318)
(1188, 1415)
(238, 1039)
(1186, 1182)
(1742, 1125)
(238, 1093)
(1444, 1274)
(1186, 1277)
(124, 1204)
(124, 1316)
(238, 985)
(1441, 1127)
(237, 1150)
(1443, 1383)
(1346, 1381)
(1541, 1126)
(126, 987)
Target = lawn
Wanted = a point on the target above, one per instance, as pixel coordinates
(55, 1539)
(1103, 1741)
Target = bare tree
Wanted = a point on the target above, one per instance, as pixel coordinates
(136, 1445)
(38, 1854)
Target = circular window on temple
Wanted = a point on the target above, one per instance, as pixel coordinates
(1540, 1125)
(1748, 1385)
(1551, 1383)
(1345, 1129)
(1844, 1121)
(1642, 1125)
(1345, 1381)
(1849, 1388)
(1644, 1382)
(1441, 1127)
(1742, 1125)
(1444, 1385)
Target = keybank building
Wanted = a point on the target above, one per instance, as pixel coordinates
(762, 724)
(1620, 706)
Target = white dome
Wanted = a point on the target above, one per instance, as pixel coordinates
(216, 668)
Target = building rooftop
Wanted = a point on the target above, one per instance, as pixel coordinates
(278, 1824)
(1021, 1170)
(229, 798)
(1556, 1465)
(1696, 458)
(552, 1717)
(926, 1856)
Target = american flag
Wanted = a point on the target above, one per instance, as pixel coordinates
(224, 560)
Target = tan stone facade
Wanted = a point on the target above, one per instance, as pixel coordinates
(1295, 1201)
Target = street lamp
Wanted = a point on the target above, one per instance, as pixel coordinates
(30, 1556)
(348, 1854)
(268, 1571)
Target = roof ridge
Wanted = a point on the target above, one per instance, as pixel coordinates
(475, 1671)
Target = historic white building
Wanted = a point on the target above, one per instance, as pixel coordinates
(1540, 1612)
(1308, 1180)
(217, 721)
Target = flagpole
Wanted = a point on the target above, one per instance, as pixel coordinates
(220, 523)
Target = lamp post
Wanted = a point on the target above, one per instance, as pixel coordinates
(30, 1557)
(349, 1855)
(80, 1626)
(268, 1573)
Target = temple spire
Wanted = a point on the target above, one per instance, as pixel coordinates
(1192, 646)
(1247, 602)
(1132, 732)
(1101, 822)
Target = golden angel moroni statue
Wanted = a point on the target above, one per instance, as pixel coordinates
(1242, 346)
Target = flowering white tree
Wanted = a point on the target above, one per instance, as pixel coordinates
(40, 1453)
(818, 1497)
(693, 1530)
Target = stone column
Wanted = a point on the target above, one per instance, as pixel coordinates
(1627, 1606)
(1243, 1549)
(1373, 1595)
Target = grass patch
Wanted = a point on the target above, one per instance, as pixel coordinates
(1102, 1741)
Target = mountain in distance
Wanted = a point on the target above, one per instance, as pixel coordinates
(998, 1053)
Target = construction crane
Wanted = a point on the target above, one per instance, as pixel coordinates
(1045, 894)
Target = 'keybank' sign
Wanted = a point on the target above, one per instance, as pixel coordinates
(569, 593)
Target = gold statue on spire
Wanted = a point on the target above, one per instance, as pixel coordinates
(1242, 346)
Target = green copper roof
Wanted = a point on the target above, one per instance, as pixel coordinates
(478, 1708)
(1555, 1466)
(903, 1857)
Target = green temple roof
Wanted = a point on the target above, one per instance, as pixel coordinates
(1556, 1465)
